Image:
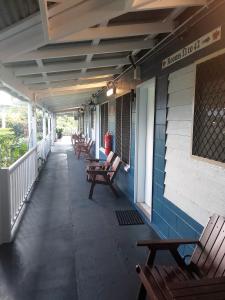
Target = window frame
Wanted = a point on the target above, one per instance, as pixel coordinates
(131, 93)
(102, 146)
(196, 157)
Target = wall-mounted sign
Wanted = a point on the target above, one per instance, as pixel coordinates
(204, 41)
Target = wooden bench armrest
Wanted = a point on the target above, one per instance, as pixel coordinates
(99, 172)
(165, 244)
(93, 159)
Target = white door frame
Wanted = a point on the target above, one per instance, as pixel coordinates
(144, 140)
(97, 131)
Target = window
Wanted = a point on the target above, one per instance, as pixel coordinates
(92, 119)
(209, 110)
(123, 126)
(104, 121)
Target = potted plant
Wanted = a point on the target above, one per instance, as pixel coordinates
(59, 132)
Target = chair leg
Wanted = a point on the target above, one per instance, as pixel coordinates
(91, 190)
(114, 190)
(142, 293)
(79, 152)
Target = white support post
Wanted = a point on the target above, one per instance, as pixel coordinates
(44, 124)
(5, 215)
(49, 125)
(53, 129)
(32, 126)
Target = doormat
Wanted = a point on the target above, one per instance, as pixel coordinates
(128, 217)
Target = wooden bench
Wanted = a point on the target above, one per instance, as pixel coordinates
(95, 163)
(106, 177)
(84, 149)
(201, 278)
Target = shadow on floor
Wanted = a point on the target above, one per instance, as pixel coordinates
(69, 247)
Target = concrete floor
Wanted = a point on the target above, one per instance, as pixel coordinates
(69, 247)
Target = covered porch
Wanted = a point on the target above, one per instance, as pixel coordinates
(143, 80)
(70, 247)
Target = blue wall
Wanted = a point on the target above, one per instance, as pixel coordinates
(168, 220)
(124, 180)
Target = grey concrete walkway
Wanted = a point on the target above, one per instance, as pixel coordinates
(69, 247)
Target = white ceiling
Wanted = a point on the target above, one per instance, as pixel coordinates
(70, 49)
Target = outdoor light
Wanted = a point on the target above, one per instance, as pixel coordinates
(111, 89)
(109, 92)
(92, 105)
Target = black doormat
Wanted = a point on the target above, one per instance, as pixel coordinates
(128, 217)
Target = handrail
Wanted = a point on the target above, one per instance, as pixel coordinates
(20, 160)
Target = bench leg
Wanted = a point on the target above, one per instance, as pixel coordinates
(142, 293)
(91, 190)
(114, 190)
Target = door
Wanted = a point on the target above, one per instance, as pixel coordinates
(97, 131)
(144, 145)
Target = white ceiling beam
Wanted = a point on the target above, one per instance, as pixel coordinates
(68, 66)
(119, 31)
(41, 95)
(75, 75)
(44, 18)
(89, 13)
(27, 40)
(68, 83)
(77, 87)
(70, 21)
(163, 4)
(64, 5)
(73, 51)
(8, 78)
(85, 15)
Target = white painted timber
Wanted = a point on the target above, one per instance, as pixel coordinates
(68, 51)
(7, 76)
(75, 75)
(68, 66)
(182, 113)
(87, 14)
(186, 95)
(68, 83)
(118, 31)
(162, 4)
(194, 185)
(183, 82)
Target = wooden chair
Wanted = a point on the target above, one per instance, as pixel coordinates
(105, 177)
(80, 142)
(95, 163)
(202, 278)
(84, 149)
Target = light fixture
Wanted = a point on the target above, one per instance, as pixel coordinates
(92, 105)
(111, 89)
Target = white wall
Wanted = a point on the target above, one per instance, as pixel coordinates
(195, 186)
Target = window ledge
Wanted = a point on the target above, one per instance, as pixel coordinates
(102, 150)
(126, 167)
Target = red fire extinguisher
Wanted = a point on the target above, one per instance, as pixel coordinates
(108, 143)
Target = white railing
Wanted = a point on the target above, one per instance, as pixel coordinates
(22, 175)
(43, 147)
(16, 183)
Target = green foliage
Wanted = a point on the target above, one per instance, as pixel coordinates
(59, 132)
(67, 123)
(11, 148)
(17, 119)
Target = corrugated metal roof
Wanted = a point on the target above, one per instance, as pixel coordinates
(13, 11)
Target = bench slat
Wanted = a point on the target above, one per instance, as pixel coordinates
(203, 239)
(210, 251)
